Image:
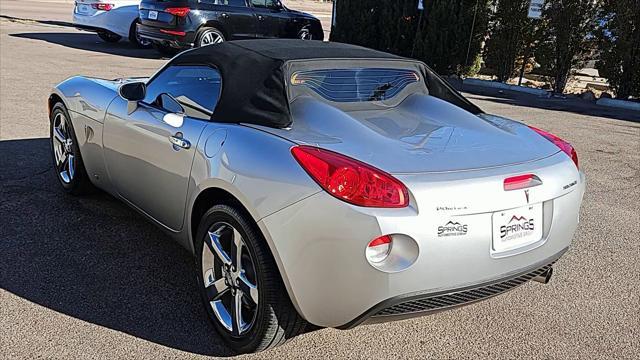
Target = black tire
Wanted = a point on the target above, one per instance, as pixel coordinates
(109, 36)
(78, 183)
(137, 40)
(206, 33)
(165, 50)
(276, 320)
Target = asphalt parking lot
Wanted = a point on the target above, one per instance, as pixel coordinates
(89, 278)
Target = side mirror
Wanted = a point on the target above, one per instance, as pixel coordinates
(133, 91)
(277, 5)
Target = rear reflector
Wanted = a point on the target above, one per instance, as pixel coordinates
(103, 7)
(178, 11)
(563, 145)
(351, 180)
(521, 182)
(172, 32)
(379, 248)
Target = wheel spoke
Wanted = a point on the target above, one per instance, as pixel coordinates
(236, 250)
(59, 135)
(71, 165)
(247, 288)
(216, 289)
(237, 313)
(61, 156)
(213, 242)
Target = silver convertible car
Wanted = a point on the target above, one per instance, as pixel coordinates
(321, 184)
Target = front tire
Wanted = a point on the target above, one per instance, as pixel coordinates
(240, 285)
(109, 36)
(305, 34)
(209, 36)
(67, 161)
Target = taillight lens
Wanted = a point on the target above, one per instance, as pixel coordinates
(351, 180)
(563, 145)
(103, 7)
(378, 249)
(178, 11)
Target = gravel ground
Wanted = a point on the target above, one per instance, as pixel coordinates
(89, 278)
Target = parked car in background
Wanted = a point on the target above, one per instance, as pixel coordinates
(111, 19)
(183, 24)
(322, 183)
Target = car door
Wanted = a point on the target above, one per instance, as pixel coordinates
(149, 151)
(271, 18)
(236, 17)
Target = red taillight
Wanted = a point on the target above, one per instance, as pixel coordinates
(103, 7)
(173, 32)
(563, 145)
(178, 11)
(351, 180)
(521, 182)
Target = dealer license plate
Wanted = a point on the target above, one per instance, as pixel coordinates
(517, 227)
(153, 15)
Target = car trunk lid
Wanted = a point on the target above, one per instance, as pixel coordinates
(421, 135)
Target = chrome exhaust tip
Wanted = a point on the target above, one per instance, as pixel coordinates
(545, 277)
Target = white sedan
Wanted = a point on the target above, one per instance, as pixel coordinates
(111, 19)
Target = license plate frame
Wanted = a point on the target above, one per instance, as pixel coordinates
(153, 15)
(516, 228)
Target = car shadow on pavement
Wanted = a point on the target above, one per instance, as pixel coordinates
(95, 259)
(91, 42)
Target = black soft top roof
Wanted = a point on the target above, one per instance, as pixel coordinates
(253, 76)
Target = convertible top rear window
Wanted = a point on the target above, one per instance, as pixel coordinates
(357, 84)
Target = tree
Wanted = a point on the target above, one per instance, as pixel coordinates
(391, 25)
(509, 31)
(618, 37)
(565, 38)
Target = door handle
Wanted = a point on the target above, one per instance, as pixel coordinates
(260, 17)
(178, 141)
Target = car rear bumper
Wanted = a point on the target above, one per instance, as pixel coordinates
(319, 244)
(174, 40)
(419, 304)
(117, 21)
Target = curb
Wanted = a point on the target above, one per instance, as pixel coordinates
(620, 104)
(503, 86)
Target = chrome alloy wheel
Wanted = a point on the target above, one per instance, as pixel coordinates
(211, 37)
(63, 149)
(305, 34)
(230, 279)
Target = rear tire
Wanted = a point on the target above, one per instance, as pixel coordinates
(209, 36)
(67, 161)
(267, 316)
(135, 38)
(108, 36)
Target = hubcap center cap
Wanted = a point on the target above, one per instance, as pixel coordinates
(230, 279)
